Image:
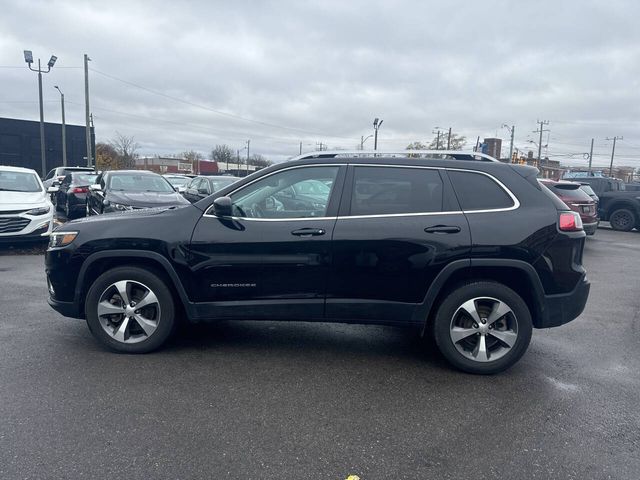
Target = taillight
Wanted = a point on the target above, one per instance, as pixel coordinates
(569, 222)
(80, 190)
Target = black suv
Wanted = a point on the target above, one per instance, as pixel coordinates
(471, 251)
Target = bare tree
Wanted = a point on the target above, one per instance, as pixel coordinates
(222, 154)
(457, 143)
(259, 160)
(126, 148)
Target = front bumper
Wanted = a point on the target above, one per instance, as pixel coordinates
(562, 308)
(590, 228)
(36, 231)
(67, 309)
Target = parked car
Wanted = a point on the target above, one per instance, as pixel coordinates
(632, 187)
(122, 190)
(398, 252)
(586, 188)
(71, 194)
(179, 182)
(202, 186)
(26, 213)
(56, 175)
(617, 205)
(577, 200)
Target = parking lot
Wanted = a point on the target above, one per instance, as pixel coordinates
(319, 401)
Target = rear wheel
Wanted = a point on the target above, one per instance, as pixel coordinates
(622, 219)
(130, 309)
(483, 327)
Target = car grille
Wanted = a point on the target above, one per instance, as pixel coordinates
(12, 212)
(13, 224)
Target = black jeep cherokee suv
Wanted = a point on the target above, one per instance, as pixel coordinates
(471, 251)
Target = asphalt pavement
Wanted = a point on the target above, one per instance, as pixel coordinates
(263, 400)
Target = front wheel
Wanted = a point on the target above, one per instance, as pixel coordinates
(483, 327)
(130, 309)
(622, 219)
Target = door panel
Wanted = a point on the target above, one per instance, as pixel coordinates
(384, 260)
(266, 261)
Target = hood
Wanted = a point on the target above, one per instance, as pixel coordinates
(18, 200)
(146, 199)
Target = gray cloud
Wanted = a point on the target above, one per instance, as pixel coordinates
(325, 69)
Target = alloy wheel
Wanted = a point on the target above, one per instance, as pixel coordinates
(128, 311)
(484, 329)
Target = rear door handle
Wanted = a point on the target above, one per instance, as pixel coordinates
(308, 232)
(442, 229)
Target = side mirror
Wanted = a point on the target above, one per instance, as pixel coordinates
(222, 207)
(52, 189)
(95, 187)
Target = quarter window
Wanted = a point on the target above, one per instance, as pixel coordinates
(295, 193)
(391, 190)
(478, 192)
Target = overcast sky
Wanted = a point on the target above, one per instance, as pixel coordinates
(283, 72)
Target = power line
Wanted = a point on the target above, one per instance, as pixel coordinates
(219, 112)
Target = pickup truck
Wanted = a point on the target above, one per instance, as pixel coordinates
(619, 206)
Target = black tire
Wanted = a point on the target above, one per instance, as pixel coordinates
(166, 318)
(622, 220)
(449, 312)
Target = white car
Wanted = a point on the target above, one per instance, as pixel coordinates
(26, 212)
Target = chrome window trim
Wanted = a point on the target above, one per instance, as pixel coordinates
(516, 202)
(514, 199)
(207, 214)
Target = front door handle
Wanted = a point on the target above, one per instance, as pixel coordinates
(308, 232)
(442, 229)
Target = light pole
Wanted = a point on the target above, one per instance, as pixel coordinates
(511, 132)
(438, 138)
(28, 58)
(64, 133)
(376, 126)
(364, 139)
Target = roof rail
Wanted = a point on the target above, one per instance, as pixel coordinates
(455, 154)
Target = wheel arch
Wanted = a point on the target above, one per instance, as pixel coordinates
(623, 204)
(518, 275)
(99, 262)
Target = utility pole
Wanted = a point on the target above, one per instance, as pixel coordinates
(87, 110)
(449, 140)
(64, 134)
(248, 143)
(542, 124)
(300, 148)
(28, 58)
(590, 156)
(613, 152)
(438, 141)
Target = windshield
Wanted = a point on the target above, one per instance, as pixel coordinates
(311, 187)
(139, 183)
(573, 192)
(19, 182)
(84, 178)
(178, 181)
(219, 183)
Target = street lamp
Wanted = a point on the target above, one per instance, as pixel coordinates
(511, 132)
(64, 133)
(376, 126)
(364, 139)
(28, 58)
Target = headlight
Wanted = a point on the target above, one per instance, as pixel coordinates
(61, 239)
(120, 207)
(39, 210)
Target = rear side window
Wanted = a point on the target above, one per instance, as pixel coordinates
(391, 190)
(476, 191)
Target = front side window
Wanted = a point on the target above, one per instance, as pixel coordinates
(476, 191)
(275, 196)
(393, 190)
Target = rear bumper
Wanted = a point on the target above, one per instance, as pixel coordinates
(562, 308)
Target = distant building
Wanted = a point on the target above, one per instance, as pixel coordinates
(492, 146)
(20, 144)
(177, 165)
